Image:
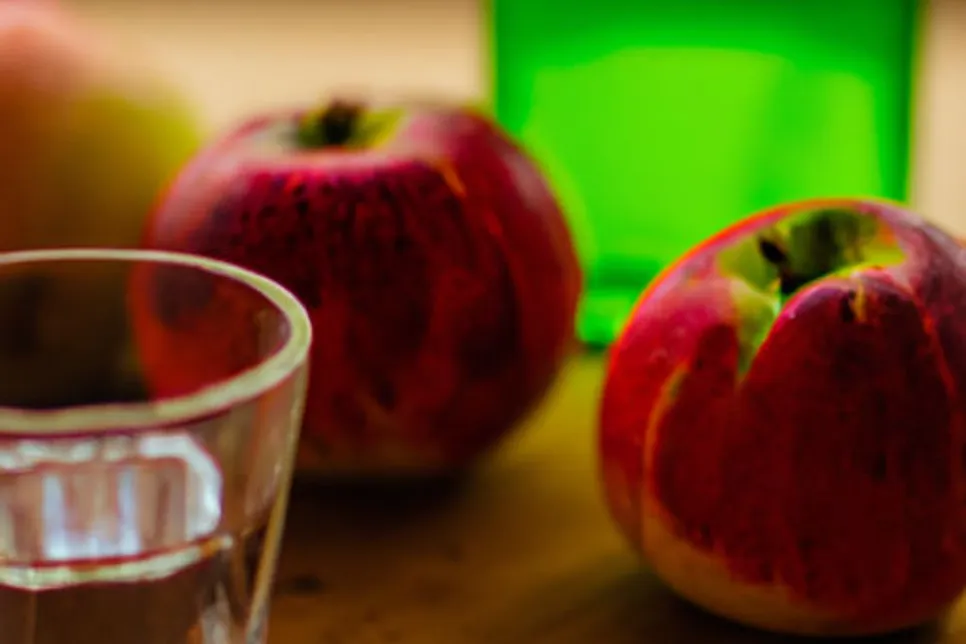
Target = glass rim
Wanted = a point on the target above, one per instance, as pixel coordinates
(219, 396)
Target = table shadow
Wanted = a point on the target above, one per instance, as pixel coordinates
(631, 606)
(376, 504)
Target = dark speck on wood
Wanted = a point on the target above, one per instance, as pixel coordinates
(300, 585)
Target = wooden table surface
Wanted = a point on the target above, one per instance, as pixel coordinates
(521, 552)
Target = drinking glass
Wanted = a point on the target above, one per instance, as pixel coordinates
(150, 405)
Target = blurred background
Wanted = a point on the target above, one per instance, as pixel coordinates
(900, 64)
(233, 58)
(240, 56)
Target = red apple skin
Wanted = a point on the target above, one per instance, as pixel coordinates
(437, 269)
(822, 492)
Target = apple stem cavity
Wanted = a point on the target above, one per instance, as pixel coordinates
(336, 125)
(815, 245)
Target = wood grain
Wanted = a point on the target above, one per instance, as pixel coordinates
(520, 552)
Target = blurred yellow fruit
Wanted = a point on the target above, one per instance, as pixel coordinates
(88, 138)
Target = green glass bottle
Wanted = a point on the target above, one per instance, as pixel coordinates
(660, 122)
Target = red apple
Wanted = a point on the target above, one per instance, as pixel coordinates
(434, 261)
(783, 428)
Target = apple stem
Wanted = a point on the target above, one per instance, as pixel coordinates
(334, 126)
(774, 254)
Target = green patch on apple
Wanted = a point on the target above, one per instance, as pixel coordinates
(789, 254)
(348, 125)
(772, 266)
